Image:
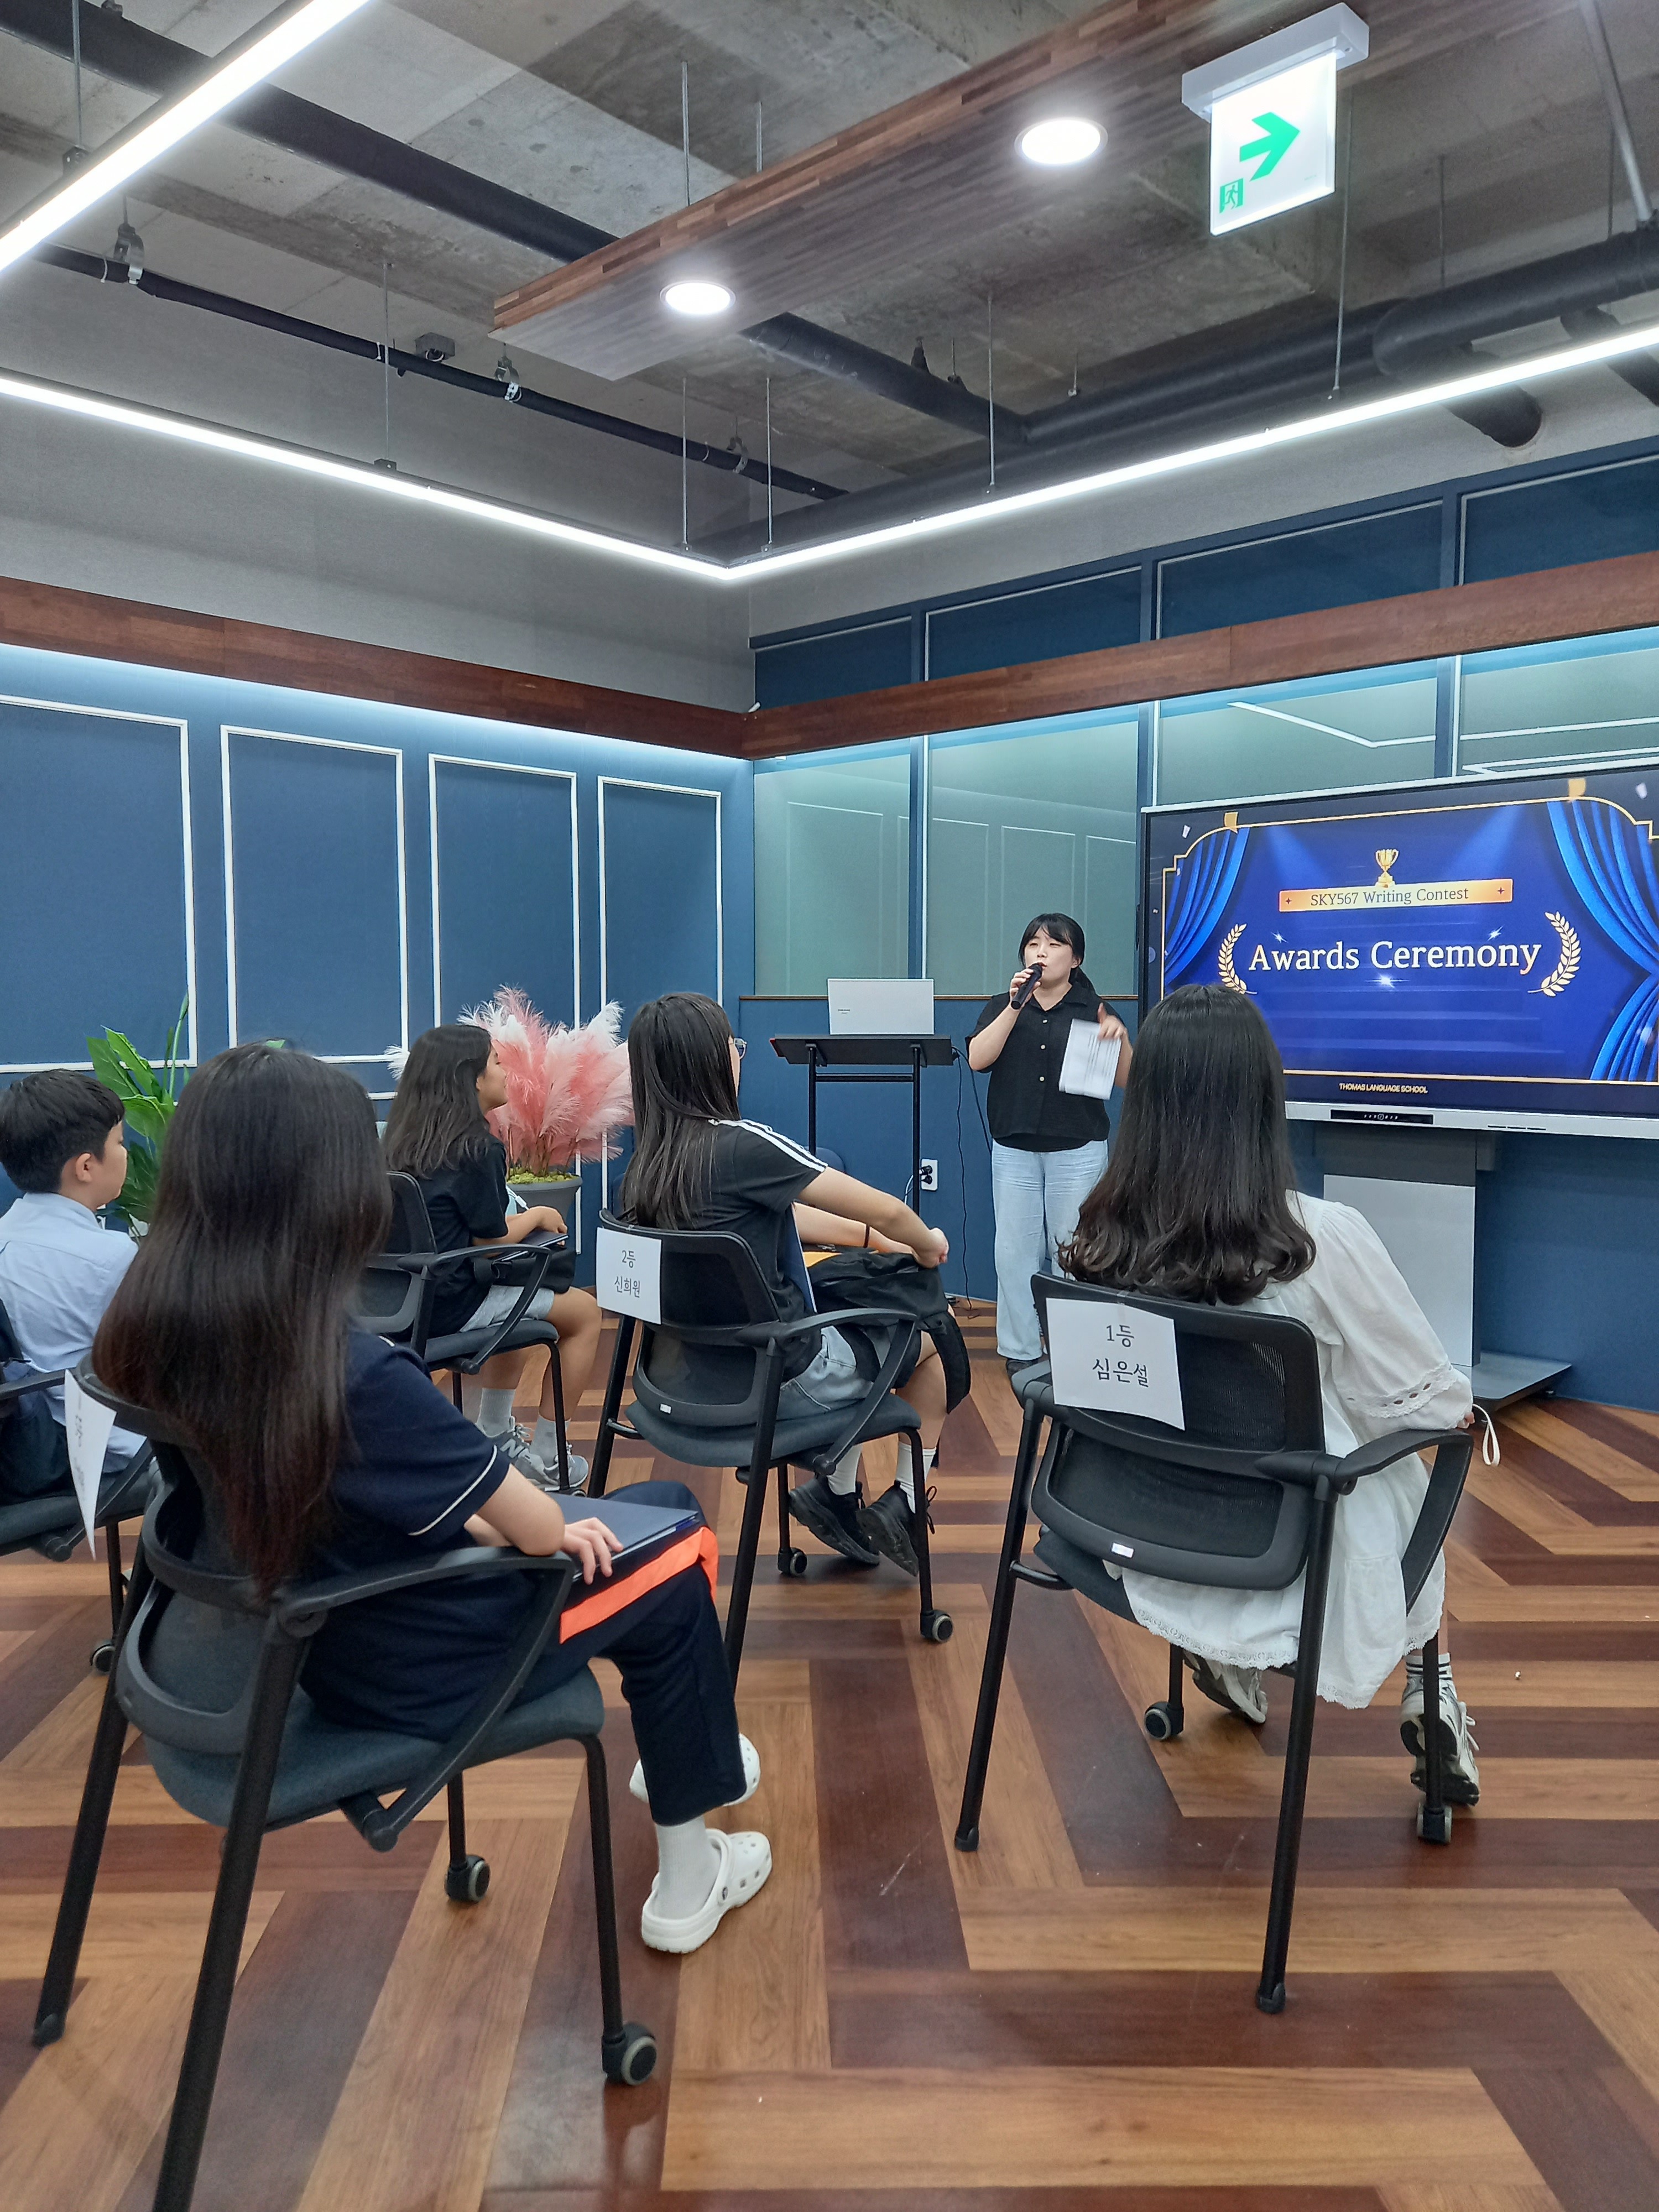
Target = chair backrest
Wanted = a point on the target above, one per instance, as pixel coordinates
(411, 1226)
(187, 1671)
(34, 1450)
(692, 1366)
(1191, 1505)
(389, 1299)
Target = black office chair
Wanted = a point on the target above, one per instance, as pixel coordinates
(394, 1300)
(208, 1670)
(39, 1508)
(705, 1392)
(1244, 1498)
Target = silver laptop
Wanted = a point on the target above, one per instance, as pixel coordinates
(881, 1006)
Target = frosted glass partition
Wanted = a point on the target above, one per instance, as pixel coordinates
(1593, 698)
(832, 868)
(1316, 735)
(1041, 815)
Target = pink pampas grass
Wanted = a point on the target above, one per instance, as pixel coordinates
(566, 1089)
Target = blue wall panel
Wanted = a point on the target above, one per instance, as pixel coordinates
(866, 656)
(660, 880)
(505, 887)
(94, 917)
(313, 832)
(1552, 521)
(1044, 624)
(1374, 558)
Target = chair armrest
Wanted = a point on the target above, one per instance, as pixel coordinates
(827, 1455)
(1310, 1468)
(779, 1332)
(541, 1261)
(380, 1826)
(411, 1263)
(302, 1608)
(27, 1382)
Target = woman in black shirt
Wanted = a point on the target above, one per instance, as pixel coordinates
(1048, 1145)
(329, 1450)
(697, 1164)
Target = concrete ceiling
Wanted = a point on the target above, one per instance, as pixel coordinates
(1479, 140)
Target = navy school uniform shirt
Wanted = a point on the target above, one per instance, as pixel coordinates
(465, 1199)
(413, 1660)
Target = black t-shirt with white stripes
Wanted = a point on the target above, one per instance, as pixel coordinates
(755, 1177)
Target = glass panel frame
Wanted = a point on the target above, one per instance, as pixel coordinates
(832, 868)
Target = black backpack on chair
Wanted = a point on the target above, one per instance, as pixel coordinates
(858, 1278)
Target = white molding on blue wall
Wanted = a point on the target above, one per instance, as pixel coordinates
(158, 721)
(685, 791)
(434, 761)
(394, 753)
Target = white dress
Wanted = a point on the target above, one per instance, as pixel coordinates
(1381, 1367)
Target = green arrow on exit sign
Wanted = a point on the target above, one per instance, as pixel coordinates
(1278, 136)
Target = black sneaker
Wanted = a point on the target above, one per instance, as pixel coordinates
(833, 1519)
(890, 1526)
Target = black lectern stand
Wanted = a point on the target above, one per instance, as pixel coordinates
(857, 1059)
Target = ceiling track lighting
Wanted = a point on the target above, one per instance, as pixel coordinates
(1329, 422)
(1060, 142)
(243, 64)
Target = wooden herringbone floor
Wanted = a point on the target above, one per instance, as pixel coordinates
(1064, 2022)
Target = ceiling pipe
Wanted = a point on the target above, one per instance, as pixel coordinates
(1405, 339)
(124, 52)
(1639, 370)
(438, 372)
(1613, 93)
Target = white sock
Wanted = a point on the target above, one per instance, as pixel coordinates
(471, 1391)
(844, 1475)
(687, 1864)
(495, 1411)
(545, 1442)
(905, 1484)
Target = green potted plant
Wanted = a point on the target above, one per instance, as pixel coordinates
(148, 1100)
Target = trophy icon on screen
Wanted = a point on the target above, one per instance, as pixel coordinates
(1385, 860)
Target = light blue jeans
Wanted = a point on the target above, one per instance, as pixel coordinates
(1036, 1196)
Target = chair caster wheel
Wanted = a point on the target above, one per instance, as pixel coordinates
(632, 2057)
(967, 1839)
(466, 1883)
(1163, 1723)
(792, 1564)
(103, 1656)
(1434, 1826)
(937, 1627)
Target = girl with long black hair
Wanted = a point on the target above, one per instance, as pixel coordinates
(1200, 1202)
(330, 1452)
(437, 1133)
(697, 1164)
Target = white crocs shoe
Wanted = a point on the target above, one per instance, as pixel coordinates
(744, 1862)
(750, 1776)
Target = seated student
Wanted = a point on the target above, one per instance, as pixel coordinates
(1198, 1203)
(697, 1165)
(436, 1132)
(61, 1144)
(330, 1452)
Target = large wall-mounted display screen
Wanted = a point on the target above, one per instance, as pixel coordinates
(1474, 954)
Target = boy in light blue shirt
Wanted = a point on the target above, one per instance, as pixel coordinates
(61, 1142)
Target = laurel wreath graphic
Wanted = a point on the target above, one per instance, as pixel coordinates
(1567, 966)
(1229, 973)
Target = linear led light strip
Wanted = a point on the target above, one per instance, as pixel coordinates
(243, 64)
(390, 483)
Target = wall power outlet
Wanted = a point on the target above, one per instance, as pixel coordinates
(930, 1175)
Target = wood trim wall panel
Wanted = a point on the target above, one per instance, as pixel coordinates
(59, 620)
(1622, 594)
(1532, 610)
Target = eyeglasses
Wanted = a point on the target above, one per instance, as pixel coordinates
(742, 1044)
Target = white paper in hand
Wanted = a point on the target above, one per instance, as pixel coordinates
(1090, 1068)
(87, 1424)
(627, 1274)
(1114, 1360)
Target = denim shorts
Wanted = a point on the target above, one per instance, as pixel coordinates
(834, 1378)
(497, 1302)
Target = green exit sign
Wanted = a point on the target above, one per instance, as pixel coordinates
(1272, 113)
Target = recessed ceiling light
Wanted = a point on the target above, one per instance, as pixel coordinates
(696, 297)
(1061, 140)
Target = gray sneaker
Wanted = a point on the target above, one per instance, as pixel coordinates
(514, 1443)
(1238, 1689)
(577, 1483)
(1459, 1777)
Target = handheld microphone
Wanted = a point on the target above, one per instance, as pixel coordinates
(1027, 990)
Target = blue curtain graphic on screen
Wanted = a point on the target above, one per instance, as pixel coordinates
(1443, 948)
(1610, 861)
(1203, 886)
